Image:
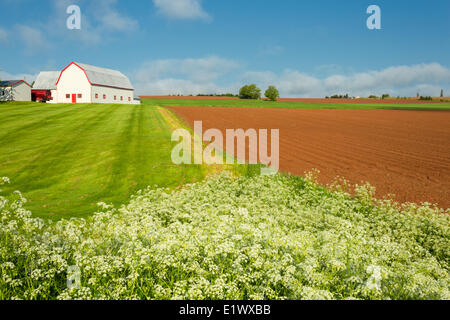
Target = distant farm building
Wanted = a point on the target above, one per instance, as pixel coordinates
(15, 90)
(44, 88)
(82, 83)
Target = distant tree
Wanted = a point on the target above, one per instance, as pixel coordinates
(340, 96)
(442, 93)
(250, 91)
(418, 95)
(372, 97)
(386, 95)
(272, 93)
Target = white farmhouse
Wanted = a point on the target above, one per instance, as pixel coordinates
(82, 83)
(15, 90)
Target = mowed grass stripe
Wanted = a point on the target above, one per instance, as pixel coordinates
(69, 157)
(19, 125)
(53, 147)
(14, 113)
(53, 162)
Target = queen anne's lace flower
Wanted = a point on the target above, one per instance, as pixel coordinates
(266, 237)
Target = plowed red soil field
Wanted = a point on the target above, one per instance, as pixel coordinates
(405, 153)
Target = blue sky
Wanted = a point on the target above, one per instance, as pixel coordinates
(306, 48)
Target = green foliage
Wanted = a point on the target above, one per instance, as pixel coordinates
(272, 93)
(259, 237)
(340, 96)
(250, 91)
(373, 97)
(384, 96)
(427, 98)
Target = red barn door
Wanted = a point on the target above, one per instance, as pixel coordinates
(74, 98)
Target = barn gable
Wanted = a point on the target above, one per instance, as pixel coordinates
(102, 77)
(12, 83)
(106, 77)
(15, 90)
(46, 80)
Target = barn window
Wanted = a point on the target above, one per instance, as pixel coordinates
(115, 98)
(67, 96)
(80, 95)
(96, 96)
(121, 98)
(104, 96)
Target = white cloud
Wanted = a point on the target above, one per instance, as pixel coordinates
(207, 75)
(3, 36)
(33, 39)
(271, 50)
(100, 21)
(182, 9)
(427, 79)
(183, 76)
(111, 19)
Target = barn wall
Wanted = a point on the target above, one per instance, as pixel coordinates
(110, 93)
(5, 93)
(73, 81)
(54, 94)
(21, 92)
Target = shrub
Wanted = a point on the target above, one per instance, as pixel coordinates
(250, 92)
(272, 93)
(339, 96)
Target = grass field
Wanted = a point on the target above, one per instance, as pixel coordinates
(292, 105)
(226, 237)
(66, 158)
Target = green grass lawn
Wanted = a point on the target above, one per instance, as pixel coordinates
(66, 158)
(291, 105)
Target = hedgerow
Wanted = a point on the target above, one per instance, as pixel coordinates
(262, 237)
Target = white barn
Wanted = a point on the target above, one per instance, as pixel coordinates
(15, 90)
(82, 83)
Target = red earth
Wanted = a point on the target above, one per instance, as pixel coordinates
(405, 153)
